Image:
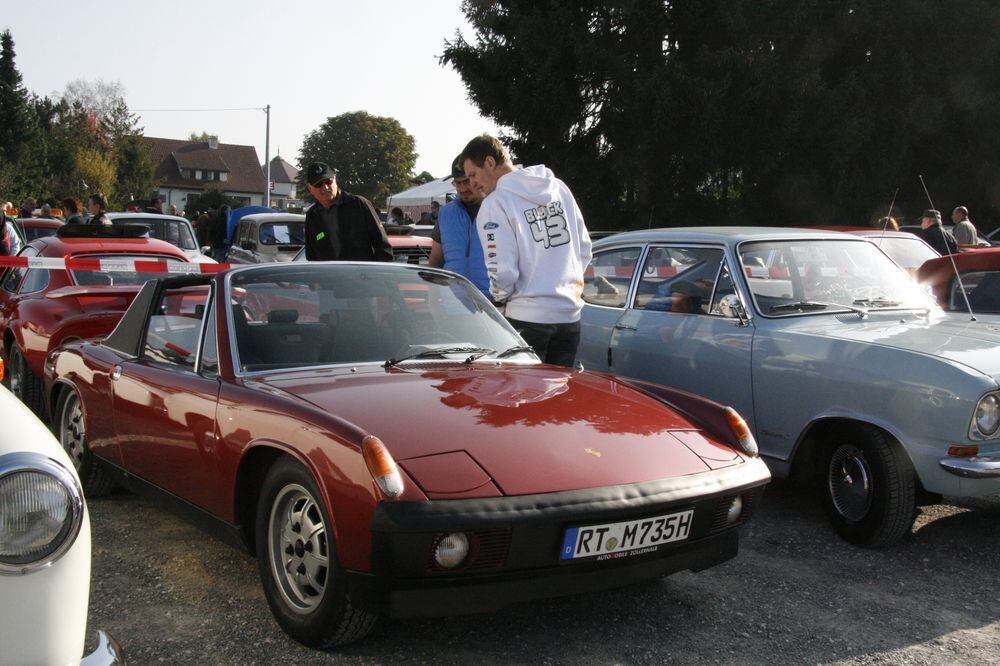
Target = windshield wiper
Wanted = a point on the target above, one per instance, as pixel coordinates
(807, 306)
(440, 351)
(877, 302)
(510, 351)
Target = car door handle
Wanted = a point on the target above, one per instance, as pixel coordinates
(116, 373)
(625, 327)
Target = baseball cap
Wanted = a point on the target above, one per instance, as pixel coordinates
(318, 171)
(931, 213)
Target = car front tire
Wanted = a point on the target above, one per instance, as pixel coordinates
(24, 384)
(870, 488)
(297, 559)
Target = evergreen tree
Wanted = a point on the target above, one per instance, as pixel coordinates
(15, 118)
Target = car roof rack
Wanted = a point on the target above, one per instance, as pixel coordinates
(102, 231)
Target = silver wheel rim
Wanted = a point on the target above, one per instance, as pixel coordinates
(850, 480)
(298, 548)
(72, 433)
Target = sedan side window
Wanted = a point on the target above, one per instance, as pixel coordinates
(679, 279)
(606, 281)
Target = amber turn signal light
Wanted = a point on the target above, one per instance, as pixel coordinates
(742, 432)
(382, 466)
(2, 370)
(963, 451)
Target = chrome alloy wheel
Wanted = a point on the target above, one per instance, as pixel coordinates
(850, 481)
(16, 369)
(72, 433)
(298, 548)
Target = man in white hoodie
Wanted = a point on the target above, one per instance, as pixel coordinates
(536, 248)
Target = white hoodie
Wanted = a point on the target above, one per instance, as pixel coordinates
(536, 246)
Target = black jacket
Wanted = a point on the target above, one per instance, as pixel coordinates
(348, 230)
(940, 239)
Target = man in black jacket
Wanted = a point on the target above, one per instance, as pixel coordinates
(341, 226)
(936, 235)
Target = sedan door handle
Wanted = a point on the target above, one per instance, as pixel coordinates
(116, 373)
(625, 327)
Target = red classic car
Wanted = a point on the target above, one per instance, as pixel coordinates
(980, 276)
(38, 227)
(384, 442)
(41, 308)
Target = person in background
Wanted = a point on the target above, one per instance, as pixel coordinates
(98, 207)
(202, 224)
(172, 210)
(46, 212)
(396, 217)
(456, 244)
(10, 242)
(887, 224)
(341, 226)
(73, 209)
(965, 230)
(935, 234)
(536, 245)
(218, 228)
(27, 208)
(155, 205)
(435, 211)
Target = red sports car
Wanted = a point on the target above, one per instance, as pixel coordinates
(384, 442)
(38, 227)
(980, 276)
(41, 308)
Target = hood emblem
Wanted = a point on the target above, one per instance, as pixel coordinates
(593, 452)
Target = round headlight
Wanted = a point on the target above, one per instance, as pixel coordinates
(735, 509)
(41, 510)
(451, 550)
(988, 415)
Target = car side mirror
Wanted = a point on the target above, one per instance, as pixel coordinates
(206, 250)
(246, 245)
(731, 308)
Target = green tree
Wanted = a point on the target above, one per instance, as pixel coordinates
(15, 120)
(374, 155)
(211, 197)
(421, 178)
(203, 137)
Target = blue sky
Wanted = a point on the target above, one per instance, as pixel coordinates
(379, 56)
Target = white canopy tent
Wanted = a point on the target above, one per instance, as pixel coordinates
(417, 200)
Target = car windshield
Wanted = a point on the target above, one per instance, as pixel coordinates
(283, 233)
(300, 315)
(910, 253)
(116, 278)
(797, 277)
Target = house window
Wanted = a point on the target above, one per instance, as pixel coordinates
(223, 175)
(197, 174)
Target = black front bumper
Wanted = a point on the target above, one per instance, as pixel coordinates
(517, 541)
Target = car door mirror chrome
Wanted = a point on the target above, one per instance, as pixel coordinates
(731, 308)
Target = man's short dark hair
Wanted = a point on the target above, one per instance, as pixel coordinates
(155, 200)
(100, 200)
(484, 146)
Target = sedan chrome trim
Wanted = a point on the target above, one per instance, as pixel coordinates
(976, 467)
(107, 652)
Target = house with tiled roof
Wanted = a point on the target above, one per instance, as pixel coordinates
(187, 168)
(284, 178)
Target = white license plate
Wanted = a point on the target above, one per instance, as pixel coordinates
(630, 535)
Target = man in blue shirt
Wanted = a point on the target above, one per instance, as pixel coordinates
(456, 242)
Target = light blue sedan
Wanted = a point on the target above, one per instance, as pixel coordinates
(852, 379)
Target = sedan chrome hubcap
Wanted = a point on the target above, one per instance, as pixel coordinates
(15, 374)
(299, 552)
(72, 434)
(850, 481)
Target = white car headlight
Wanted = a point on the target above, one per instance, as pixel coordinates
(41, 511)
(987, 417)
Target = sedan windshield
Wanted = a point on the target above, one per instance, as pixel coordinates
(301, 315)
(811, 276)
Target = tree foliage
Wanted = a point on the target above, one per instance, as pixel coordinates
(211, 197)
(374, 155)
(776, 113)
(81, 142)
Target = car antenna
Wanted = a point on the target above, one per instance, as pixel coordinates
(888, 216)
(954, 266)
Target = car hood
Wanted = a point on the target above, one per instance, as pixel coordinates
(974, 344)
(531, 429)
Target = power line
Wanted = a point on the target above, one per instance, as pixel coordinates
(248, 108)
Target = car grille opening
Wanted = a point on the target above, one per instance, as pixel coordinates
(719, 521)
(488, 549)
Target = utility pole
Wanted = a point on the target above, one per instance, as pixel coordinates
(267, 159)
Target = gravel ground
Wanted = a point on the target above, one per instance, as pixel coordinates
(795, 594)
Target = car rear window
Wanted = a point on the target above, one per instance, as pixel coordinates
(124, 277)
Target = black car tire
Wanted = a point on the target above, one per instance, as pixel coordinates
(321, 615)
(869, 488)
(70, 428)
(24, 384)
